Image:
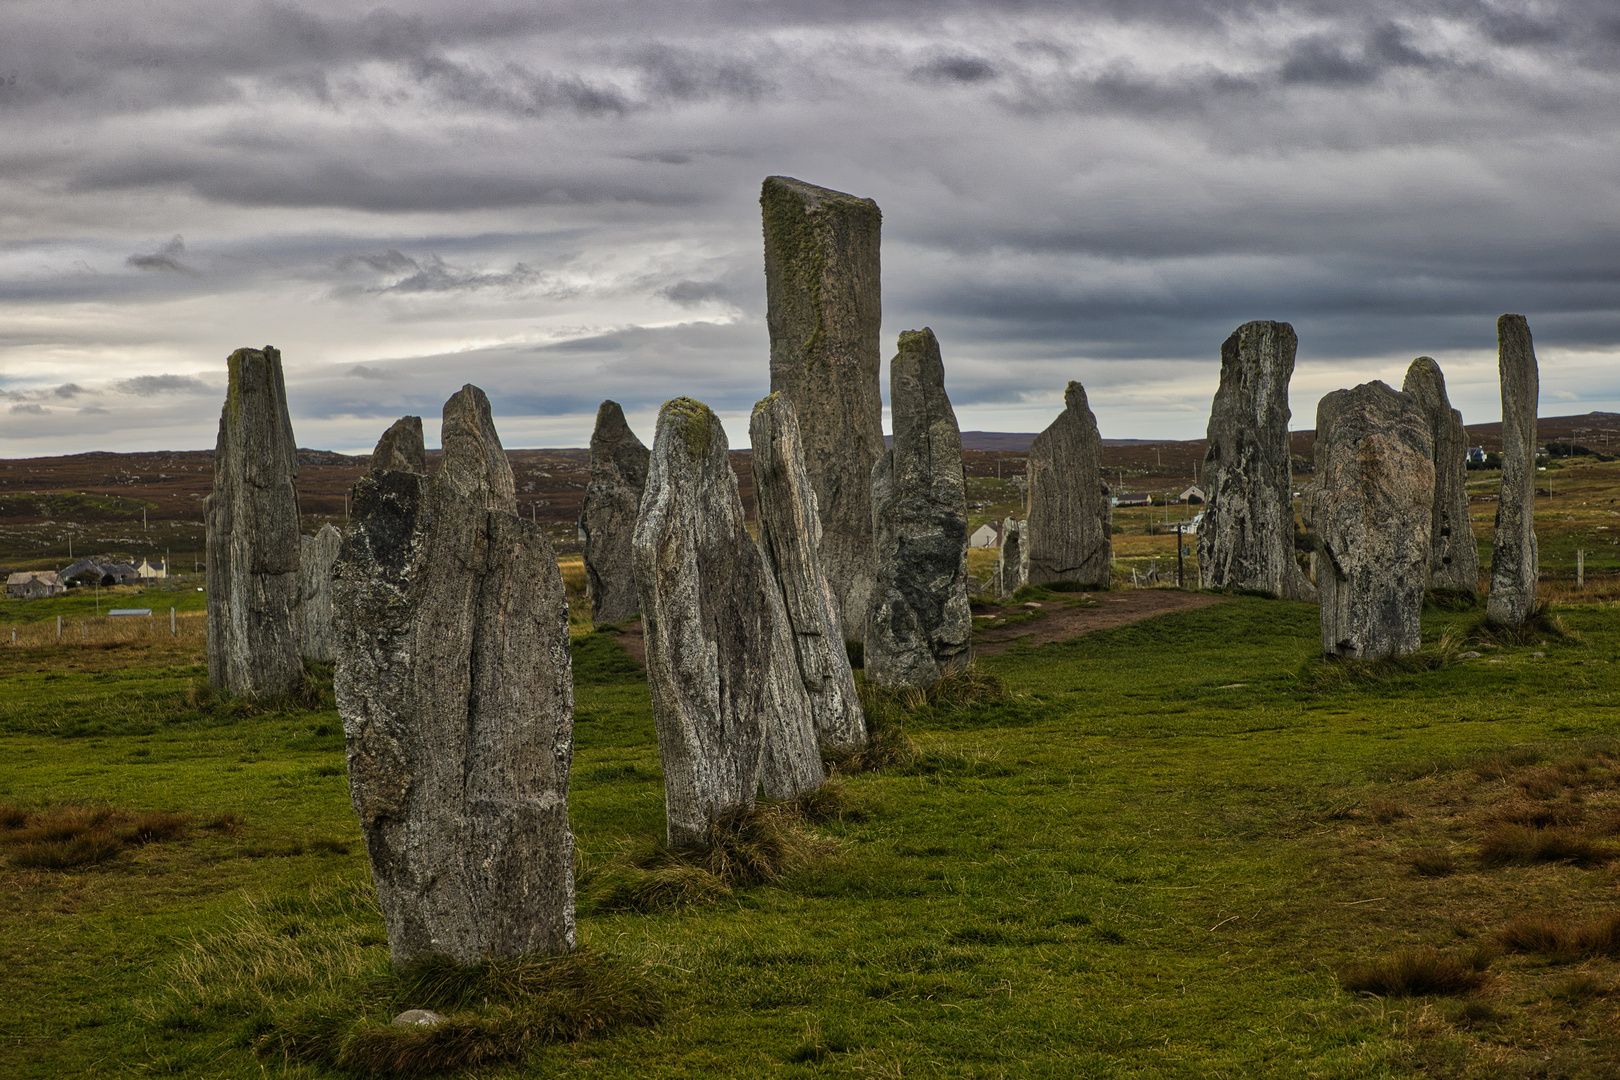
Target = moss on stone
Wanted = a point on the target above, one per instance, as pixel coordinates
(697, 424)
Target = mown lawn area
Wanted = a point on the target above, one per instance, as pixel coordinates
(1161, 857)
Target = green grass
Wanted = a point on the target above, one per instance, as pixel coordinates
(1153, 852)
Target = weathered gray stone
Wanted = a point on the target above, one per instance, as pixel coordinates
(728, 701)
(254, 584)
(401, 449)
(612, 500)
(1453, 555)
(790, 535)
(1246, 540)
(454, 685)
(1012, 567)
(1068, 535)
(418, 1017)
(824, 311)
(318, 554)
(1368, 506)
(920, 624)
(1515, 561)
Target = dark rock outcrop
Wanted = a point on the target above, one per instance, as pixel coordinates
(1068, 535)
(612, 500)
(920, 625)
(1515, 561)
(254, 583)
(455, 688)
(1453, 555)
(824, 312)
(1246, 540)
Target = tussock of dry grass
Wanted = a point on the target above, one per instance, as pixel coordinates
(1414, 972)
(1331, 673)
(1542, 625)
(1505, 843)
(1563, 939)
(63, 837)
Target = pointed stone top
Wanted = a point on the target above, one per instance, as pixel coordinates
(1074, 397)
(812, 197)
(400, 449)
(611, 426)
(922, 348)
(1425, 381)
(691, 425)
(474, 463)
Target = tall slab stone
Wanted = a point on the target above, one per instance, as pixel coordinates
(920, 624)
(1453, 555)
(1068, 535)
(790, 536)
(824, 312)
(455, 688)
(1369, 507)
(729, 704)
(401, 448)
(612, 499)
(1246, 540)
(318, 555)
(1515, 562)
(254, 582)
(1012, 569)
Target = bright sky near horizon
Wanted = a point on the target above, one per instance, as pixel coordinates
(557, 201)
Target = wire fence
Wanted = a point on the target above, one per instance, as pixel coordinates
(162, 624)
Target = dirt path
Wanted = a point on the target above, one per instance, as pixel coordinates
(1058, 623)
(1061, 623)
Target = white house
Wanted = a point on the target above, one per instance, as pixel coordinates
(986, 535)
(1193, 495)
(146, 568)
(1133, 498)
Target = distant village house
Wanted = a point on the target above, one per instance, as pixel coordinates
(986, 535)
(1133, 498)
(1193, 496)
(147, 570)
(34, 585)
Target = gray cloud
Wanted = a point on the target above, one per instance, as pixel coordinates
(68, 390)
(29, 407)
(166, 258)
(960, 69)
(366, 371)
(148, 385)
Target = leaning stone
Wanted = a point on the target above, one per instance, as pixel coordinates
(612, 499)
(454, 685)
(1515, 561)
(254, 583)
(824, 312)
(1012, 568)
(920, 625)
(1246, 540)
(1069, 532)
(789, 535)
(401, 449)
(1368, 506)
(1453, 555)
(728, 701)
(318, 554)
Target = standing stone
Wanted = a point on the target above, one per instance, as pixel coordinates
(789, 535)
(254, 584)
(920, 624)
(317, 555)
(1515, 562)
(454, 685)
(1453, 555)
(618, 477)
(1368, 506)
(1069, 531)
(728, 701)
(1012, 569)
(824, 311)
(1246, 540)
(401, 449)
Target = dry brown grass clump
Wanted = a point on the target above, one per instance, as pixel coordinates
(63, 837)
(1563, 939)
(1416, 972)
(1505, 843)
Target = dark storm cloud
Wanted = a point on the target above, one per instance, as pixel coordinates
(166, 258)
(961, 69)
(148, 385)
(692, 293)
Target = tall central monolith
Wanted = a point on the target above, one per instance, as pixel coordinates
(1515, 561)
(612, 500)
(920, 623)
(824, 311)
(1453, 555)
(789, 535)
(255, 584)
(729, 704)
(1068, 535)
(456, 692)
(1246, 540)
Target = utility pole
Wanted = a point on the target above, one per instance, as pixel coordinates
(1181, 574)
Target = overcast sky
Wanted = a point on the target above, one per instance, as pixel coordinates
(559, 202)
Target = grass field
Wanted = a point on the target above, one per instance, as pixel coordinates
(1162, 857)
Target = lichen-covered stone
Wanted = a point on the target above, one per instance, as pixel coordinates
(1453, 556)
(254, 583)
(1368, 506)
(1515, 562)
(920, 624)
(729, 703)
(612, 500)
(401, 448)
(318, 554)
(790, 535)
(1246, 540)
(1068, 535)
(1012, 568)
(824, 312)
(455, 688)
